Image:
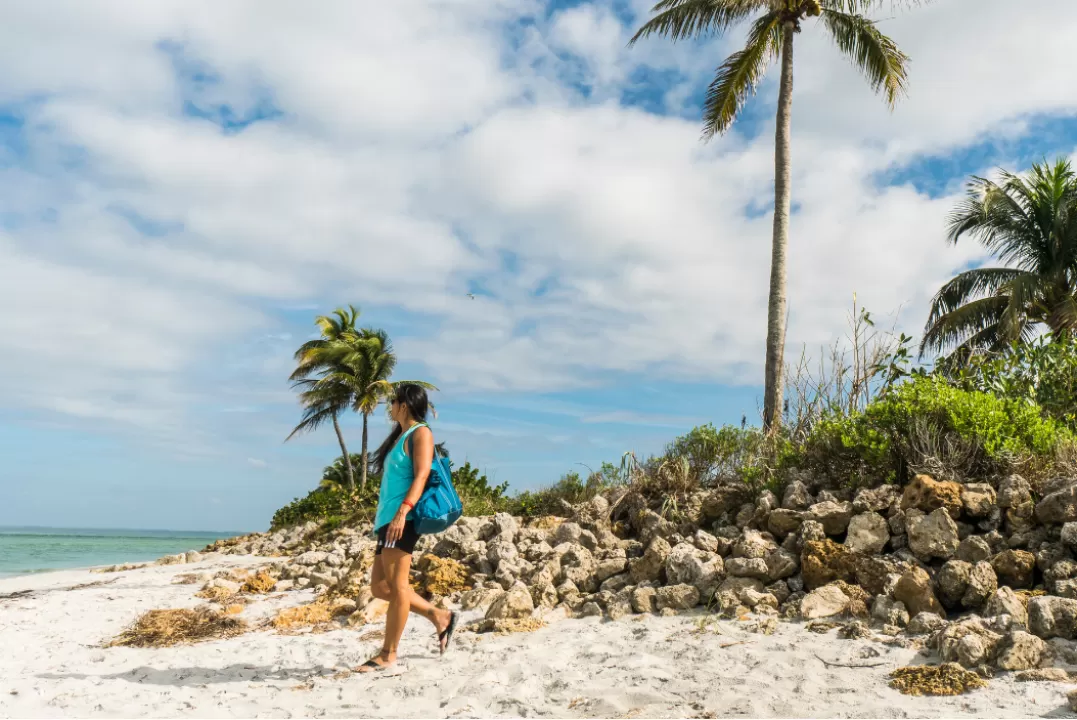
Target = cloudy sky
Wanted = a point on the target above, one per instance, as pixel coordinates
(185, 185)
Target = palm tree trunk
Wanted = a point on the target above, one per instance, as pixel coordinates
(776, 311)
(347, 458)
(363, 460)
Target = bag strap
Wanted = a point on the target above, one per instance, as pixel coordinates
(411, 445)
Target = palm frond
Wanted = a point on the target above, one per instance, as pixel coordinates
(685, 19)
(857, 7)
(740, 74)
(970, 285)
(954, 328)
(873, 53)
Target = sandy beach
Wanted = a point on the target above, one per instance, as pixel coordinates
(55, 664)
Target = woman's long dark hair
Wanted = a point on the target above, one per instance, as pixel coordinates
(414, 399)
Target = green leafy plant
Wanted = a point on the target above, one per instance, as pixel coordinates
(873, 446)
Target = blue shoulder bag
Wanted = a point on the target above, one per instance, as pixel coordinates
(440, 506)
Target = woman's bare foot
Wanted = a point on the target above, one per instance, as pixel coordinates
(381, 661)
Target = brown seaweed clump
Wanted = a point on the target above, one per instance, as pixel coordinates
(163, 628)
(215, 594)
(945, 679)
(314, 614)
(442, 576)
(260, 583)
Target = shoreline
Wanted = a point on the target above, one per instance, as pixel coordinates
(688, 665)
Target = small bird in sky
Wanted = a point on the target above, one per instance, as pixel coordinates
(471, 295)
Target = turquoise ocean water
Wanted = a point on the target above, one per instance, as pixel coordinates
(32, 550)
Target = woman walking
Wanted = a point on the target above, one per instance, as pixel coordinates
(404, 461)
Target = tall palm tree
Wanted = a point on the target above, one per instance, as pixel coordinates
(774, 23)
(1030, 224)
(363, 364)
(323, 402)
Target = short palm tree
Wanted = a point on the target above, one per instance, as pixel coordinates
(363, 364)
(1030, 223)
(773, 25)
(324, 402)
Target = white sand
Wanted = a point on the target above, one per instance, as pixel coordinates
(52, 665)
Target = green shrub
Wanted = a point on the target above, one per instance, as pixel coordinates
(476, 493)
(1042, 374)
(571, 488)
(319, 505)
(877, 445)
(714, 454)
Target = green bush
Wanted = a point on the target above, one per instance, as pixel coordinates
(876, 446)
(1042, 374)
(571, 488)
(476, 493)
(324, 504)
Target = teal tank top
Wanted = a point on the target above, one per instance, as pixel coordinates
(396, 479)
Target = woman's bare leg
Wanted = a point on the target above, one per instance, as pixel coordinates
(389, 580)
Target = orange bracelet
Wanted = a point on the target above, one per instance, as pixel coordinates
(410, 504)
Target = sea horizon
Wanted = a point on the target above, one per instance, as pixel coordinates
(33, 549)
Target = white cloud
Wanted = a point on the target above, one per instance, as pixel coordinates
(418, 148)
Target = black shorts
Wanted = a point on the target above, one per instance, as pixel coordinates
(407, 540)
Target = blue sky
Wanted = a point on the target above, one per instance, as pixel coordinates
(183, 187)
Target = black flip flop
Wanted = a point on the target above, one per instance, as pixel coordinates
(378, 667)
(446, 635)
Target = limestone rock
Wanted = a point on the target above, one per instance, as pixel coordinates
(927, 495)
(732, 592)
(973, 549)
(824, 561)
(1050, 617)
(878, 574)
(748, 567)
(1004, 601)
(705, 541)
(677, 597)
(1058, 507)
(1014, 568)
(754, 544)
(952, 581)
(796, 497)
(968, 643)
(480, 598)
(812, 530)
(544, 595)
(645, 600)
(926, 623)
(978, 499)
(889, 612)
(649, 568)
(875, 499)
(688, 565)
(606, 569)
(932, 536)
(724, 499)
(833, 516)
(982, 584)
(1013, 490)
(826, 601)
(1021, 651)
(868, 533)
(781, 564)
(514, 603)
(915, 591)
(1069, 535)
(782, 522)
(780, 590)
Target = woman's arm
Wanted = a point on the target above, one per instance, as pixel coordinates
(422, 452)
